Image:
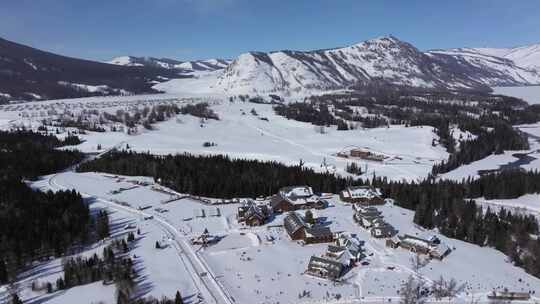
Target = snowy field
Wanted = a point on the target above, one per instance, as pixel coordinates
(265, 136)
(245, 266)
(530, 94)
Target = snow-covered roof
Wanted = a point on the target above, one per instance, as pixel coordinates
(293, 222)
(363, 192)
(299, 195)
(297, 192)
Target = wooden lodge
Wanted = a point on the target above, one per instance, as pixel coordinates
(295, 198)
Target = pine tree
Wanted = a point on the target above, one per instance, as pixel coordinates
(15, 299)
(3, 272)
(178, 298)
(309, 217)
(102, 225)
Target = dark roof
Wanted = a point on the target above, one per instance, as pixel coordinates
(330, 267)
(319, 231)
(275, 200)
(335, 249)
(293, 222)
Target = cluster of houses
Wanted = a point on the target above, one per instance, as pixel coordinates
(429, 245)
(363, 199)
(371, 218)
(338, 258)
(287, 199)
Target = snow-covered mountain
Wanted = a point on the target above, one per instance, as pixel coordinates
(385, 59)
(527, 57)
(181, 66)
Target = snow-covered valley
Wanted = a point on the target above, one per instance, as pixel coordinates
(242, 267)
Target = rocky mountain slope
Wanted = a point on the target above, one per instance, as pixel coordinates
(385, 59)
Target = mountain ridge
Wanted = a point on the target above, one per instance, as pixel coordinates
(27, 73)
(387, 58)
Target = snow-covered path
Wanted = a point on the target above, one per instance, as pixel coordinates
(211, 290)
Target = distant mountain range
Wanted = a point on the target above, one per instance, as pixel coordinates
(172, 64)
(28, 73)
(527, 57)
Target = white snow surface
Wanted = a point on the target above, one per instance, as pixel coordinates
(525, 56)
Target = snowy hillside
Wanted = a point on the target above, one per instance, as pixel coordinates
(527, 57)
(383, 60)
(492, 70)
(172, 64)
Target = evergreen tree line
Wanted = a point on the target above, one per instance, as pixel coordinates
(26, 154)
(445, 205)
(113, 266)
(315, 113)
(213, 176)
(201, 110)
(501, 137)
(35, 224)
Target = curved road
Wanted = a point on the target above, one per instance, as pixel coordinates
(210, 288)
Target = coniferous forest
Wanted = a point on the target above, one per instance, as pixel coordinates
(446, 205)
(37, 224)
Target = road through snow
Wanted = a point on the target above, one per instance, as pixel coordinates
(211, 289)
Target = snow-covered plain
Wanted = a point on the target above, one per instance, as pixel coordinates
(530, 94)
(239, 133)
(250, 269)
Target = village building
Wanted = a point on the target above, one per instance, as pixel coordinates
(428, 245)
(253, 214)
(371, 218)
(295, 198)
(366, 210)
(295, 226)
(298, 229)
(318, 234)
(367, 221)
(507, 295)
(364, 195)
(347, 250)
(365, 154)
(383, 230)
(325, 267)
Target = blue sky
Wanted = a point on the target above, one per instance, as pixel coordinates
(196, 29)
